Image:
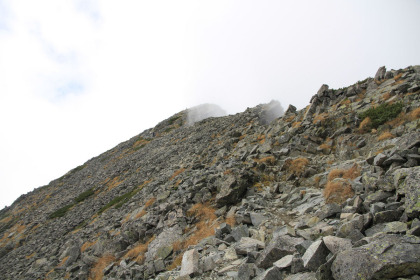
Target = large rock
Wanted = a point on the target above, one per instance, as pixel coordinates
(276, 249)
(271, 274)
(337, 244)
(386, 257)
(408, 184)
(231, 191)
(315, 255)
(247, 245)
(189, 265)
(380, 74)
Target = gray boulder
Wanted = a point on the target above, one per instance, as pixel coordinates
(231, 191)
(386, 257)
(315, 255)
(189, 265)
(276, 249)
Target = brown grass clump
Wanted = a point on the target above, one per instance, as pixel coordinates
(96, 273)
(399, 120)
(320, 118)
(340, 191)
(113, 183)
(414, 115)
(30, 256)
(398, 76)
(296, 166)
(268, 160)
(204, 227)
(177, 262)
(386, 96)
(351, 173)
(296, 124)
(140, 214)
(138, 251)
(63, 261)
(87, 245)
(386, 135)
(365, 125)
(176, 173)
(261, 139)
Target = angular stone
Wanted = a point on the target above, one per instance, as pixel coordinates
(283, 231)
(315, 255)
(257, 218)
(394, 159)
(231, 191)
(387, 216)
(328, 210)
(336, 244)
(189, 265)
(379, 159)
(301, 276)
(276, 249)
(386, 257)
(392, 227)
(380, 74)
(271, 274)
(239, 232)
(284, 262)
(355, 224)
(208, 264)
(247, 245)
(409, 186)
(164, 252)
(246, 271)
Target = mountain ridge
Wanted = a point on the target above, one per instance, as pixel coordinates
(232, 195)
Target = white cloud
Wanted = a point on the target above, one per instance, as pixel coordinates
(78, 77)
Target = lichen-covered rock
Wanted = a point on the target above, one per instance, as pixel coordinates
(386, 257)
(409, 186)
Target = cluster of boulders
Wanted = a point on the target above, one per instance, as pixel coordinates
(237, 197)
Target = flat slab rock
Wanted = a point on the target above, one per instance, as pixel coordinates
(387, 256)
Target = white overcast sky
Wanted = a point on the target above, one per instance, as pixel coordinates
(79, 77)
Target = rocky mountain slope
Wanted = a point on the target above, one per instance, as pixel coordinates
(327, 192)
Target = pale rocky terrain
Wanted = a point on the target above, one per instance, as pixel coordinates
(331, 191)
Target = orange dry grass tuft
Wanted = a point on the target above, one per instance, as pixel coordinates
(414, 115)
(296, 166)
(63, 261)
(204, 227)
(269, 160)
(140, 214)
(113, 183)
(338, 191)
(320, 118)
(138, 251)
(296, 124)
(351, 173)
(386, 96)
(177, 262)
(365, 125)
(261, 139)
(230, 220)
(149, 202)
(176, 173)
(386, 135)
(96, 273)
(30, 256)
(87, 245)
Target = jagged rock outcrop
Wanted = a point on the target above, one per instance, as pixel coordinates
(327, 192)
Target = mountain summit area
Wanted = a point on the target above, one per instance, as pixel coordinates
(331, 191)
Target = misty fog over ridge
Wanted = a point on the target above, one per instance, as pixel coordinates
(270, 111)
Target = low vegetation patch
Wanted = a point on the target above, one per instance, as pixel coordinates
(176, 173)
(338, 188)
(139, 251)
(270, 160)
(382, 113)
(61, 212)
(84, 195)
(296, 166)
(96, 272)
(386, 135)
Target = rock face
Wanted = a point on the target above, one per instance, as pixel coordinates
(327, 192)
(386, 257)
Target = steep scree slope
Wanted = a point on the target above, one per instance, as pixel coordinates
(234, 197)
